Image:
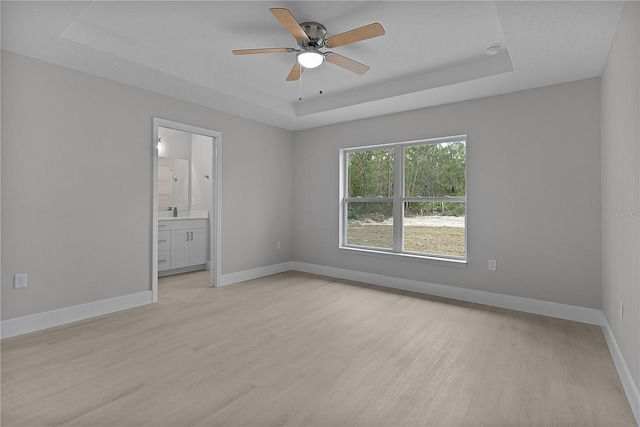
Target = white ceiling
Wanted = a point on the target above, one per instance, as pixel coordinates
(432, 53)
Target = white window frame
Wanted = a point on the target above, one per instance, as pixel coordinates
(398, 201)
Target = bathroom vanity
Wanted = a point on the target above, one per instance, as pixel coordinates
(183, 242)
(184, 201)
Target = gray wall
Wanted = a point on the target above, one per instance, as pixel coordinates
(71, 141)
(533, 192)
(621, 187)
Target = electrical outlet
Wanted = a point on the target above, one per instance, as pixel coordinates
(278, 244)
(20, 281)
(492, 264)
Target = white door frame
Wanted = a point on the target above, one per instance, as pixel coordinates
(215, 228)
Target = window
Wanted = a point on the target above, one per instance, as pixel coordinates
(405, 198)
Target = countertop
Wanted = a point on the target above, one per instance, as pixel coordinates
(168, 215)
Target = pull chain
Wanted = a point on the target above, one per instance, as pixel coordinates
(300, 81)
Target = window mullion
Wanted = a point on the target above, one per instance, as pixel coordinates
(398, 195)
(343, 194)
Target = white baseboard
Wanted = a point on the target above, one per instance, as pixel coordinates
(49, 319)
(254, 273)
(630, 387)
(182, 270)
(527, 305)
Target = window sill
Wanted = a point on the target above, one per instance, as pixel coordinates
(449, 262)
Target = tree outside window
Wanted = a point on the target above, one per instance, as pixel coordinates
(406, 198)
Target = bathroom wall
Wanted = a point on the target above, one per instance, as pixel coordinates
(201, 177)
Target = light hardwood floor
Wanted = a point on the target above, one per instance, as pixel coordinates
(296, 349)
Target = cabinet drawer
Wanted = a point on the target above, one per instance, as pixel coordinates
(164, 240)
(164, 260)
(186, 224)
(164, 225)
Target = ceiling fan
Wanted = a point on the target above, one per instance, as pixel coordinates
(311, 37)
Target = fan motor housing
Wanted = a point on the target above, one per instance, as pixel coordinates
(316, 32)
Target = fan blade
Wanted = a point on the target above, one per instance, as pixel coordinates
(346, 63)
(363, 33)
(295, 72)
(265, 50)
(290, 23)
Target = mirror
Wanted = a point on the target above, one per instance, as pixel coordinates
(184, 170)
(173, 184)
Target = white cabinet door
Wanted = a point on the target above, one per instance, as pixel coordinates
(180, 240)
(198, 246)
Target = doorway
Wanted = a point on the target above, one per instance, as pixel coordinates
(210, 202)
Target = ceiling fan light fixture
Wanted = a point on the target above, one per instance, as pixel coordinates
(310, 58)
(311, 37)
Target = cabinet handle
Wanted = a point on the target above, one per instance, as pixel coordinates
(187, 236)
(192, 235)
(162, 240)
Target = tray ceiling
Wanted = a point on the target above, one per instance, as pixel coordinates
(432, 53)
